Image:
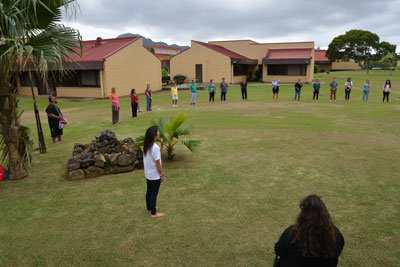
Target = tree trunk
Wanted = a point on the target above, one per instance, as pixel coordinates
(11, 130)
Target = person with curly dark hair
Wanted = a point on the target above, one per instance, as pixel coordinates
(313, 240)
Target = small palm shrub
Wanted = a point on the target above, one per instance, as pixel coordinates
(171, 133)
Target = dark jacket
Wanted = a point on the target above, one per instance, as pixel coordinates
(291, 254)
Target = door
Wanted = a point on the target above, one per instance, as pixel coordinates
(199, 73)
(42, 87)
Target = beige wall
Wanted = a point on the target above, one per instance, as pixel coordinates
(325, 66)
(215, 65)
(85, 92)
(132, 67)
(253, 50)
(343, 65)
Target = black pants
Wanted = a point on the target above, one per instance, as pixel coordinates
(151, 195)
(244, 93)
(385, 94)
(134, 110)
(315, 95)
(223, 96)
(347, 94)
(212, 96)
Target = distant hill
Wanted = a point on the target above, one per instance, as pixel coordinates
(148, 42)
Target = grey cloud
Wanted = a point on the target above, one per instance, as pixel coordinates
(181, 20)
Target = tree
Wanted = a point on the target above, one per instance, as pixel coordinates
(390, 59)
(31, 38)
(358, 45)
(171, 134)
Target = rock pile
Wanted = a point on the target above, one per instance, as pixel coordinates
(104, 155)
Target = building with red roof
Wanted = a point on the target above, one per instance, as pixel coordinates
(123, 63)
(239, 59)
(324, 64)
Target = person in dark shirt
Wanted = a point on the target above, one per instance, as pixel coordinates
(134, 103)
(313, 240)
(297, 91)
(54, 115)
(243, 86)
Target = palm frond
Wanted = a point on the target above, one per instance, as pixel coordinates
(174, 124)
(139, 141)
(192, 145)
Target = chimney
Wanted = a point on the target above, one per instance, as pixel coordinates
(98, 41)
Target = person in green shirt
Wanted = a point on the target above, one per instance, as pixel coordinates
(316, 87)
(193, 90)
(211, 90)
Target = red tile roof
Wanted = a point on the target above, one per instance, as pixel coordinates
(297, 53)
(100, 49)
(162, 56)
(166, 47)
(320, 56)
(222, 50)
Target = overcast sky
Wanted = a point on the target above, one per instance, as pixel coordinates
(179, 21)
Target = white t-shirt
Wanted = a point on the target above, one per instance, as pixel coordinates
(149, 161)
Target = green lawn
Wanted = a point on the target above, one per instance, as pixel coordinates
(227, 204)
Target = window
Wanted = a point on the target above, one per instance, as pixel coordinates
(289, 70)
(277, 69)
(240, 69)
(80, 78)
(90, 78)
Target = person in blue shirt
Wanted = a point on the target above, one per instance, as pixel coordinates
(316, 87)
(275, 89)
(367, 87)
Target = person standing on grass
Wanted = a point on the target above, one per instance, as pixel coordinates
(149, 97)
(313, 240)
(274, 82)
(386, 91)
(224, 89)
(347, 89)
(333, 86)
(174, 93)
(152, 169)
(243, 87)
(366, 90)
(316, 87)
(211, 90)
(297, 90)
(193, 91)
(134, 103)
(54, 116)
(115, 106)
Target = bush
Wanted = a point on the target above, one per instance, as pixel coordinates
(171, 133)
(316, 68)
(327, 72)
(179, 78)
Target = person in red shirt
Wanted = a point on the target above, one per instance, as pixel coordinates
(134, 103)
(115, 106)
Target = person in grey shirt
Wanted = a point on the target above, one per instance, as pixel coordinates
(224, 88)
(333, 85)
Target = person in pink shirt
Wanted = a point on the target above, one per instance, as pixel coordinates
(115, 106)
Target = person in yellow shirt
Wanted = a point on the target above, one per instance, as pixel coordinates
(174, 93)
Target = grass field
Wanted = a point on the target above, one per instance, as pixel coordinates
(227, 204)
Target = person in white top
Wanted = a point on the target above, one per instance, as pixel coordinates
(386, 91)
(152, 169)
(347, 89)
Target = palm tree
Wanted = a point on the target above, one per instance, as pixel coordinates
(171, 134)
(31, 38)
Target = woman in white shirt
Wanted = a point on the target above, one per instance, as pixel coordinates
(152, 169)
(386, 90)
(347, 89)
